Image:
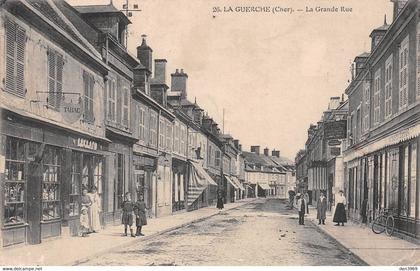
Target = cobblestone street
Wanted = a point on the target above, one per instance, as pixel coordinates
(264, 232)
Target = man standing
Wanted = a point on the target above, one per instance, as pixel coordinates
(301, 206)
(321, 208)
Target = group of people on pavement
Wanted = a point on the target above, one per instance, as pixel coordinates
(301, 204)
(133, 210)
(90, 209)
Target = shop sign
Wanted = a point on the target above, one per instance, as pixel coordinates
(71, 111)
(85, 144)
(335, 129)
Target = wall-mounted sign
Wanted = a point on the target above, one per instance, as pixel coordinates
(335, 129)
(71, 110)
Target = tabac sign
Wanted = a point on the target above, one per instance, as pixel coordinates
(335, 129)
(71, 110)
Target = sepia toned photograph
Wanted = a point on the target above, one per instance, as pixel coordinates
(209, 133)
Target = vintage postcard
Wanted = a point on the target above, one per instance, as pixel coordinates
(228, 133)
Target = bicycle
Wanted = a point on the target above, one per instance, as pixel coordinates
(384, 222)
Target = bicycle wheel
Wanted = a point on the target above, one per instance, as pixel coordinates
(390, 225)
(379, 224)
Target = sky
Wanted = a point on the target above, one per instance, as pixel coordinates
(273, 74)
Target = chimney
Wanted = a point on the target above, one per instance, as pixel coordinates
(275, 153)
(198, 115)
(255, 149)
(398, 6)
(266, 152)
(358, 64)
(240, 147)
(144, 54)
(179, 82)
(160, 71)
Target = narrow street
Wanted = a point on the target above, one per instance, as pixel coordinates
(264, 232)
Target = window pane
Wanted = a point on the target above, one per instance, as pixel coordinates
(413, 183)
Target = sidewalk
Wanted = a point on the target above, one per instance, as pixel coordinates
(374, 249)
(72, 250)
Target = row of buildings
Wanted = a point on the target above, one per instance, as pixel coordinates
(368, 144)
(78, 111)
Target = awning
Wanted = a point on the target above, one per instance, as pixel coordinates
(198, 182)
(238, 183)
(264, 186)
(203, 173)
(231, 182)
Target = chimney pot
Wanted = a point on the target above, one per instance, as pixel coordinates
(266, 152)
(255, 149)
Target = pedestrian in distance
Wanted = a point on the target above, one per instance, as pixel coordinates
(340, 209)
(127, 215)
(140, 212)
(94, 210)
(306, 197)
(321, 208)
(220, 199)
(301, 206)
(86, 203)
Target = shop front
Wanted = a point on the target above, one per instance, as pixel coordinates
(179, 192)
(387, 178)
(44, 170)
(144, 167)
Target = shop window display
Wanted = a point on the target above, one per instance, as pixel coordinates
(51, 185)
(413, 181)
(76, 173)
(15, 182)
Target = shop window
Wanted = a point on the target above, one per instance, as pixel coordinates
(75, 179)
(392, 179)
(404, 183)
(51, 184)
(15, 182)
(413, 183)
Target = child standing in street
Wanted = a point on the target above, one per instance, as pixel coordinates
(84, 222)
(127, 216)
(140, 212)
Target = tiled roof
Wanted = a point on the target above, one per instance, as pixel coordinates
(46, 10)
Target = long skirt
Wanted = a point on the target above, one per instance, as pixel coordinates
(141, 220)
(220, 204)
(127, 219)
(340, 214)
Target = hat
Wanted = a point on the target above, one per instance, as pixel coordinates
(298, 194)
(84, 208)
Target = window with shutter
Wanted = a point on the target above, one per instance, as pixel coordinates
(388, 87)
(111, 100)
(403, 89)
(125, 107)
(376, 97)
(88, 85)
(15, 59)
(119, 101)
(55, 78)
(142, 119)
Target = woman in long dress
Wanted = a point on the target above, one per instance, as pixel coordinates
(340, 209)
(140, 212)
(220, 200)
(94, 210)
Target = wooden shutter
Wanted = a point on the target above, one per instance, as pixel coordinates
(59, 79)
(10, 56)
(51, 78)
(119, 101)
(20, 61)
(125, 107)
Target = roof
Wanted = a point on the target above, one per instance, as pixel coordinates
(365, 54)
(97, 9)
